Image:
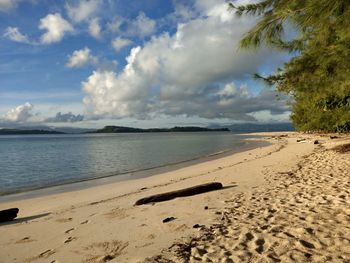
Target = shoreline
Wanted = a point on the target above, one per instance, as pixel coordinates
(238, 223)
(250, 143)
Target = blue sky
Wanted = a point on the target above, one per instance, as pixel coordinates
(88, 63)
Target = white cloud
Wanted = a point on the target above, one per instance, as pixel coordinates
(95, 28)
(82, 10)
(183, 12)
(14, 34)
(21, 113)
(115, 24)
(83, 57)
(129, 101)
(190, 73)
(142, 26)
(119, 43)
(267, 117)
(66, 117)
(6, 5)
(80, 58)
(56, 27)
(227, 102)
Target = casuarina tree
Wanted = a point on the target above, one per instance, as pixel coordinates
(317, 77)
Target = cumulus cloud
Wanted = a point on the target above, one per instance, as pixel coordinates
(56, 27)
(119, 43)
(82, 10)
(142, 26)
(80, 58)
(14, 34)
(189, 73)
(6, 5)
(182, 12)
(115, 24)
(65, 117)
(95, 28)
(211, 102)
(21, 113)
(227, 102)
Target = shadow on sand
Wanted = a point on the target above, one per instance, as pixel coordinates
(24, 219)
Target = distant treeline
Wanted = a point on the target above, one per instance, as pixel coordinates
(121, 129)
(25, 132)
(236, 128)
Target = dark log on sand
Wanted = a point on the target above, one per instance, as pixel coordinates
(180, 193)
(8, 214)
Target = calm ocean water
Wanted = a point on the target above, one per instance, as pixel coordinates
(37, 161)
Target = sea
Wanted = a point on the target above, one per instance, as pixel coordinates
(29, 162)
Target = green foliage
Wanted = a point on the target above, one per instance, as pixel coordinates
(318, 75)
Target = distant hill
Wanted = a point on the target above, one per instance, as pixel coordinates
(255, 127)
(121, 129)
(236, 128)
(72, 130)
(25, 132)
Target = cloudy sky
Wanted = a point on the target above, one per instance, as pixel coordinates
(88, 63)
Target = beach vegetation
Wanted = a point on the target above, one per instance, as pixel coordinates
(317, 76)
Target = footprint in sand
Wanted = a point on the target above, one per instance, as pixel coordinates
(85, 222)
(307, 244)
(25, 240)
(145, 245)
(116, 213)
(249, 236)
(260, 245)
(64, 220)
(69, 230)
(105, 251)
(69, 239)
(42, 255)
(151, 236)
(47, 253)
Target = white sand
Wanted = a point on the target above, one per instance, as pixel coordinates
(288, 202)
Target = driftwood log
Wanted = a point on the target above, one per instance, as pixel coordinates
(8, 214)
(179, 193)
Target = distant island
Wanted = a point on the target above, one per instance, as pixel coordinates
(235, 128)
(112, 129)
(26, 132)
(257, 127)
(121, 129)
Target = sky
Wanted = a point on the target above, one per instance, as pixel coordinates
(154, 63)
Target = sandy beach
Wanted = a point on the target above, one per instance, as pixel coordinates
(286, 202)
